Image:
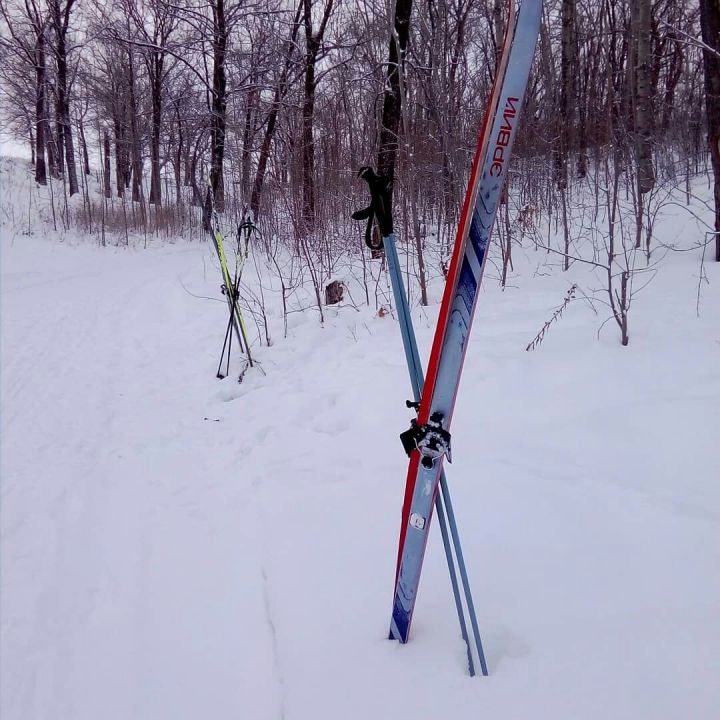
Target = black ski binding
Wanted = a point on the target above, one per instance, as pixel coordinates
(431, 439)
(245, 229)
(227, 292)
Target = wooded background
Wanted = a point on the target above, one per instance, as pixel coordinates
(277, 104)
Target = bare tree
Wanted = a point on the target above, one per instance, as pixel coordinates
(218, 106)
(568, 71)
(642, 93)
(28, 41)
(389, 129)
(60, 11)
(155, 22)
(313, 44)
(280, 89)
(710, 24)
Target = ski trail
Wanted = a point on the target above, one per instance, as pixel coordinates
(119, 539)
(78, 349)
(275, 648)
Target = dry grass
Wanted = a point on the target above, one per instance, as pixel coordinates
(122, 219)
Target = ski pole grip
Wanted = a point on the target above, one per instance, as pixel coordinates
(380, 200)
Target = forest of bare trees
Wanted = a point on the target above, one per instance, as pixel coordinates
(275, 104)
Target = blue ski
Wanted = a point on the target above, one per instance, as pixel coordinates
(428, 441)
(380, 192)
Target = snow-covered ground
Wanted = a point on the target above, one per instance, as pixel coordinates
(175, 546)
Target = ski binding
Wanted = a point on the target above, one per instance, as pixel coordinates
(431, 439)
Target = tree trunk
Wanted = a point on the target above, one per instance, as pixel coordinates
(106, 164)
(156, 68)
(245, 163)
(59, 144)
(313, 43)
(280, 90)
(642, 94)
(198, 197)
(308, 143)
(50, 137)
(265, 153)
(120, 153)
(499, 28)
(83, 145)
(568, 70)
(674, 73)
(136, 160)
(40, 169)
(179, 153)
(219, 104)
(62, 102)
(387, 152)
(583, 102)
(710, 24)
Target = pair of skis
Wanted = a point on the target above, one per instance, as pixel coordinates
(428, 440)
(380, 202)
(231, 285)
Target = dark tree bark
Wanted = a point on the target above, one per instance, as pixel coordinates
(675, 71)
(156, 70)
(106, 164)
(61, 19)
(83, 145)
(135, 156)
(498, 28)
(40, 119)
(642, 94)
(313, 43)
(187, 158)
(584, 91)
(49, 136)
(179, 152)
(568, 70)
(265, 151)
(247, 137)
(121, 164)
(392, 102)
(710, 24)
(59, 138)
(40, 169)
(218, 109)
(198, 198)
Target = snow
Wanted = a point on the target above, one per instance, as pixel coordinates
(175, 546)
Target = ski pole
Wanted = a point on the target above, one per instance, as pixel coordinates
(380, 203)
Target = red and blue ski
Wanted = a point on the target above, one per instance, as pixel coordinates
(428, 440)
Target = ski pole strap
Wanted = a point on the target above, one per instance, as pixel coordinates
(380, 203)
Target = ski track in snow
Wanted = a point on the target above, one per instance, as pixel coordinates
(276, 655)
(157, 564)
